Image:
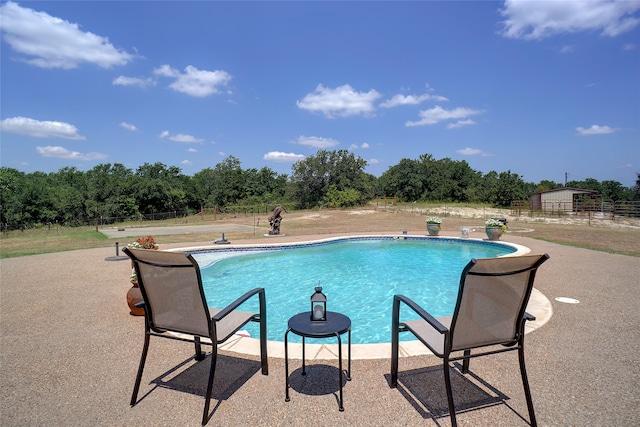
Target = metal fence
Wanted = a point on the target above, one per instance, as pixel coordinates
(581, 207)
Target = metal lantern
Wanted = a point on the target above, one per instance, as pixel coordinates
(318, 305)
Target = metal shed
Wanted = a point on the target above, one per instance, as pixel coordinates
(564, 200)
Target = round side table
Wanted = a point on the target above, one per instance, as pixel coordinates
(335, 325)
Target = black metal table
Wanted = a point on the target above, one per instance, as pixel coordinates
(335, 325)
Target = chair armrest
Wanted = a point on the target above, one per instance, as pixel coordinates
(528, 316)
(422, 313)
(234, 305)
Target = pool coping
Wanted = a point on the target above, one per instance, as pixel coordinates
(539, 306)
(519, 249)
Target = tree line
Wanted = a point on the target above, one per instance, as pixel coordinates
(327, 179)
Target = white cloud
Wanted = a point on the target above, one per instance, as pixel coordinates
(279, 156)
(194, 82)
(566, 49)
(316, 142)
(63, 153)
(373, 161)
(400, 99)
(472, 152)
(629, 46)
(191, 150)
(128, 126)
(186, 162)
(595, 130)
(40, 129)
(362, 146)
(166, 71)
(50, 42)
(460, 123)
(342, 101)
(625, 166)
(535, 19)
(181, 137)
(133, 81)
(438, 114)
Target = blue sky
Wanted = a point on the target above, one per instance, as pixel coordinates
(540, 88)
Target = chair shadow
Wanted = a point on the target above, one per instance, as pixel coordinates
(425, 390)
(319, 380)
(230, 374)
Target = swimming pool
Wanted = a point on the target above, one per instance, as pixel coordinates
(358, 275)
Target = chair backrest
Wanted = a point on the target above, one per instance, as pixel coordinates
(493, 295)
(171, 287)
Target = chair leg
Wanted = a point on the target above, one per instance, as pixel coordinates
(263, 345)
(199, 354)
(143, 358)
(465, 362)
(395, 324)
(394, 359)
(447, 381)
(525, 383)
(212, 370)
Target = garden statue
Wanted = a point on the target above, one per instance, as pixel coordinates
(274, 221)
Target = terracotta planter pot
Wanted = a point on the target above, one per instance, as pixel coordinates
(134, 296)
(433, 229)
(493, 233)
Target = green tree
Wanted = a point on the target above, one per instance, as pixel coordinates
(503, 188)
(229, 181)
(264, 185)
(510, 187)
(614, 190)
(545, 185)
(204, 184)
(342, 198)
(449, 180)
(404, 181)
(68, 191)
(587, 184)
(312, 177)
(160, 189)
(110, 192)
(36, 201)
(11, 181)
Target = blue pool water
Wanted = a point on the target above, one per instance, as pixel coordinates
(359, 276)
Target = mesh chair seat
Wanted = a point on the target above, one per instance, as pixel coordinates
(174, 302)
(427, 334)
(489, 311)
(229, 325)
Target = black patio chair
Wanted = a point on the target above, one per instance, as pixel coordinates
(490, 311)
(175, 306)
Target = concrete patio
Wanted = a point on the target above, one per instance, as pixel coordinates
(69, 353)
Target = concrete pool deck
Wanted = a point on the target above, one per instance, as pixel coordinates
(69, 353)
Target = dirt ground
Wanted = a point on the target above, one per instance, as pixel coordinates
(621, 235)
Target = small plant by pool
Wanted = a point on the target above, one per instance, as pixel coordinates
(358, 275)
